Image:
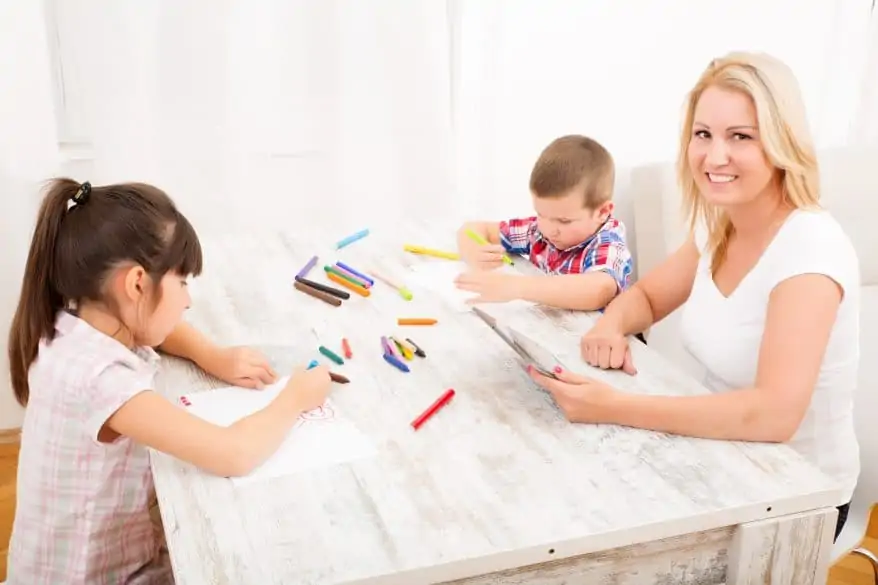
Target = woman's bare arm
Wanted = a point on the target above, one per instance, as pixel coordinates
(654, 296)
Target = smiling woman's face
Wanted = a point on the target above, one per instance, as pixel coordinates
(725, 153)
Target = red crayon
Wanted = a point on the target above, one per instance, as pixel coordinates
(346, 348)
(440, 402)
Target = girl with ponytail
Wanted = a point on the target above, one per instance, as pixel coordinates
(104, 284)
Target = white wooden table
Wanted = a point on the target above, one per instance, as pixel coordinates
(497, 487)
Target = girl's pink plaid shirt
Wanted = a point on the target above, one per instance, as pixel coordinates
(82, 513)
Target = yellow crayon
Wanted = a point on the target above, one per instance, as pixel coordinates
(404, 349)
(431, 252)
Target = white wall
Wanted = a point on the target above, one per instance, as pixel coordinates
(28, 155)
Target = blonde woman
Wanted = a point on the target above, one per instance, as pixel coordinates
(768, 283)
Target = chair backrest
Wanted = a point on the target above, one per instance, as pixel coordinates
(849, 189)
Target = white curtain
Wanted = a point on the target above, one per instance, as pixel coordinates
(865, 124)
(28, 155)
(266, 112)
(618, 71)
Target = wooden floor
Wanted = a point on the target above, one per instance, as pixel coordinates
(849, 570)
(8, 465)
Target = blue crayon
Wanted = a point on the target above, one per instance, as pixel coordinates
(351, 239)
(356, 273)
(391, 359)
(313, 364)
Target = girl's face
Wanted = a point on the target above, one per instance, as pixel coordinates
(167, 313)
(149, 321)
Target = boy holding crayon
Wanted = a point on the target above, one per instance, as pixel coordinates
(573, 238)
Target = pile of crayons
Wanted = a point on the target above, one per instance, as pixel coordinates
(397, 353)
(339, 273)
(350, 278)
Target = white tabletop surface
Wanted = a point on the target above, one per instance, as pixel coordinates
(497, 479)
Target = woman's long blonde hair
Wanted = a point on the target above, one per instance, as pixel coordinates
(784, 135)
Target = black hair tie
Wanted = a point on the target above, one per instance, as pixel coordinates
(81, 195)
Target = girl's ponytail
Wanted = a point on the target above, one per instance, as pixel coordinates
(40, 301)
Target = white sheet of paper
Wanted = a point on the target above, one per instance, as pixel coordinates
(438, 278)
(322, 437)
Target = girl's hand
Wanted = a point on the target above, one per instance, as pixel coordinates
(581, 399)
(607, 350)
(240, 366)
(309, 388)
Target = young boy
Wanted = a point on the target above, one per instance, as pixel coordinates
(573, 238)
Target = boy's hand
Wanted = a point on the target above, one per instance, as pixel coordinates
(491, 287)
(485, 257)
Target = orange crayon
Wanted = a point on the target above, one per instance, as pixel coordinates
(415, 321)
(363, 292)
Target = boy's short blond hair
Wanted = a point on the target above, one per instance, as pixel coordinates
(574, 162)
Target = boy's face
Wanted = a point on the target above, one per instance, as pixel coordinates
(566, 222)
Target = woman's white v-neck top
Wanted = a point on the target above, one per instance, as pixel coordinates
(724, 334)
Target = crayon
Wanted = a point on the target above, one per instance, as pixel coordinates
(363, 292)
(403, 291)
(313, 364)
(394, 361)
(415, 321)
(390, 347)
(353, 278)
(331, 355)
(342, 273)
(356, 273)
(323, 288)
(406, 352)
(351, 239)
(346, 349)
(418, 351)
(431, 252)
(338, 378)
(307, 268)
(431, 410)
(317, 294)
(477, 238)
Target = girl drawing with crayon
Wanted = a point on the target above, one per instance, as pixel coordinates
(104, 283)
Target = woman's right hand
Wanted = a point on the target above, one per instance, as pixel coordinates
(607, 349)
(309, 388)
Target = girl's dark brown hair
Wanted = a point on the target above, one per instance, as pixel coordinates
(83, 233)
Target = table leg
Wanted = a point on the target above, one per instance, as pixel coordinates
(787, 550)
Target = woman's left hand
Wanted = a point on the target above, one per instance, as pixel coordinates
(240, 366)
(580, 398)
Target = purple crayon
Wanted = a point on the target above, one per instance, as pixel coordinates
(385, 344)
(307, 267)
(356, 273)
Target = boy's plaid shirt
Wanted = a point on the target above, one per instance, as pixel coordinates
(606, 250)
